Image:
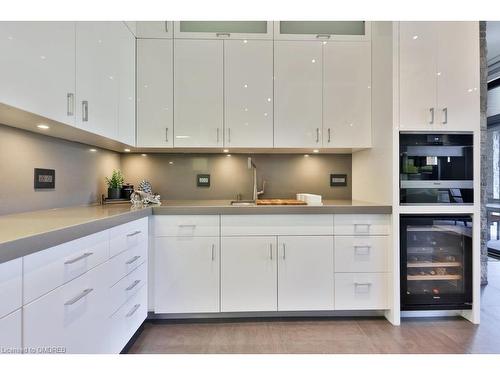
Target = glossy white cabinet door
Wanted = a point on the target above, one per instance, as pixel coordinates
(11, 286)
(417, 75)
(155, 93)
(154, 29)
(11, 333)
(248, 274)
(126, 76)
(186, 274)
(248, 80)
(37, 68)
(347, 94)
(97, 80)
(298, 94)
(198, 93)
(458, 79)
(305, 273)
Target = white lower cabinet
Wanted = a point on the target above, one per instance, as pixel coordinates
(11, 333)
(361, 291)
(248, 274)
(11, 287)
(305, 273)
(186, 274)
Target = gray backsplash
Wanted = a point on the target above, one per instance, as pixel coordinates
(79, 172)
(173, 176)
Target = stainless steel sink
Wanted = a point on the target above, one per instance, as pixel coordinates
(243, 203)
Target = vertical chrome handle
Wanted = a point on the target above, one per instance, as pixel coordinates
(317, 135)
(271, 251)
(228, 135)
(70, 104)
(78, 297)
(132, 312)
(166, 26)
(329, 135)
(213, 251)
(431, 110)
(445, 113)
(284, 251)
(166, 134)
(85, 111)
(217, 135)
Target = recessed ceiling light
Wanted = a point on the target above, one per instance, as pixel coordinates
(226, 150)
(127, 150)
(93, 150)
(43, 126)
(315, 151)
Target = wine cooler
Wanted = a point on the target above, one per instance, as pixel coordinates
(436, 262)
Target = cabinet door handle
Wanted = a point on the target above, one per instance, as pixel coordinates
(228, 135)
(166, 134)
(317, 135)
(271, 251)
(220, 35)
(74, 260)
(284, 251)
(323, 36)
(132, 312)
(166, 26)
(134, 233)
(445, 113)
(85, 111)
(213, 251)
(329, 135)
(217, 135)
(133, 285)
(132, 260)
(431, 110)
(74, 300)
(70, 104)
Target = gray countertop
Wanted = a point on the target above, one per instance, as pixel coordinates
(26, 233)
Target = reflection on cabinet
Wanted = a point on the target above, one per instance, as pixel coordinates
(248, 274)
(155, 100)
(322, 30)
(305, 273)
(298, 94)
(186, 274)
(11, 333)
(347, 94)
(126, 82)
(198, 92)
(439, 75)
(223, 29)
(154, 29)
(37, 68)
(248, 93)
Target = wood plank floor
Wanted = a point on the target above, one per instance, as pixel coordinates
(338, 335)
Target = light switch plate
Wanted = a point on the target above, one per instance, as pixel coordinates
(203, 180)
(338, 180)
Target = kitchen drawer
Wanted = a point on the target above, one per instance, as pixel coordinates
(186, 225)
(71, 316)
(125, 322)
(361, 225)
(361, 291)
(50, 268)
(127, 261)
(127, 235)
(11, 333)
(261, 225)
(11, 284)
(127, 287)
(361, 253)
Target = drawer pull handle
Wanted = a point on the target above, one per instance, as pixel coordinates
(74, 260)
(362, 249)
(187, 225)
(362, 228)
(132, 312)
(362, 287)
(362, 284)
(132, 260)
(133, 285)
(134, 233)
(219, 35)
(78, 297)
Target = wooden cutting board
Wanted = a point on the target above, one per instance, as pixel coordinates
(280, 202)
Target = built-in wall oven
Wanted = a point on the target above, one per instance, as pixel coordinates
(436, 168)
(436, 262)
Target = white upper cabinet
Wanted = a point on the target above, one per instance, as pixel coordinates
(322, 30)
(223, 29)
(155, 97)
(198, 92)
(37, 68)
(439, 75)
(458, 76)
(248, 94)
(347, 94)
(298, 94)
(154, 29)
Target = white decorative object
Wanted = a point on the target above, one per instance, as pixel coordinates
(310, 199)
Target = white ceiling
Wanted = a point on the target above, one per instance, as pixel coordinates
(493, 39)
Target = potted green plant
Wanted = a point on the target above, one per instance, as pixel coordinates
(115, 184)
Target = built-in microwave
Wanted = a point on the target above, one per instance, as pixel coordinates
(436, 168)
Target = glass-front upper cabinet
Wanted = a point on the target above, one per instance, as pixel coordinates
(223, 29)
(153, 29)
(322, 30)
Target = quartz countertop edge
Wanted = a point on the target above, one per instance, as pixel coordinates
(27, 233)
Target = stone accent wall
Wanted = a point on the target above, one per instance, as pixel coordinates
(485, 160)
